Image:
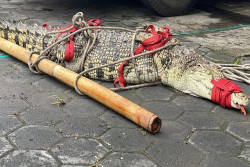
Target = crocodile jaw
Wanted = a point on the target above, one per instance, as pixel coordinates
(239, 99)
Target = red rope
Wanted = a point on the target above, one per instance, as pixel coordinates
(69, 52)
(159, 39)
(222, 90)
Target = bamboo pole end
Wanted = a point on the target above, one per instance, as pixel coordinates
(155, 125)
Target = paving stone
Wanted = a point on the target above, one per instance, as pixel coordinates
(48, 98)
(191, 45)
(191, 103)
(74, 165)
(4, 15)
(50, 84)
(43, 116)
(84, 108)
(245, 87)
(121, 139)
(221, 161)
(127, 160)
(82, 126)
(231, 114)
(246, 153)
(28, 158)
(114, 119)
(215, 142)
(4, 146)
(35, 137)
(200, 52)
(6, 65)
(172, 153)
(80, 151)
(240, 129)
(20, 73)
(172, 131)
(165, 110)
(8, 123)
(10, 106)
(155, 93)
(15, 90)
(219, 57)
(202, 120)
(204, 49)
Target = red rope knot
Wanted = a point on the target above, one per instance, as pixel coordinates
(94, 22)
(222, 90)
(159, 39)
(69, 52)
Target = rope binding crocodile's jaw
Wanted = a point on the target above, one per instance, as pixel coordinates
(194, 76)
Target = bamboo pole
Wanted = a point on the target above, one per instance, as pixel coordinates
(130, 110)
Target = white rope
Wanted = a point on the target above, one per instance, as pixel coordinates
(236, 72)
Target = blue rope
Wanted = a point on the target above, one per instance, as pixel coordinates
(4, 56)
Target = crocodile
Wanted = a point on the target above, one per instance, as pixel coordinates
(177, 66)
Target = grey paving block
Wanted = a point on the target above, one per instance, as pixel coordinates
(165, 110)
(155, 93)
(190, 44)
(6, 65)
(47, 99)
(8, 123)
(204, 49)
(128, 140)
(219, 57)
(222, 161)
(127, 160)
(117, 120)
(84, 108)
(43, 115)
(35, 137)
(28, 158)
(240, 129)
(82, 126)
(175, 154)
(245, 87)
(191, 103)
(74, 165)
(10, 106)
(231, 114)
(15, 90)
(50, 84)
(202, 120)
(80, 151)
(215, 142)
(172, 131)
(4, 146)
(20, 73)
(246, 153)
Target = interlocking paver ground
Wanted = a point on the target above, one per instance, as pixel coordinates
(81, 151)
(195, 132)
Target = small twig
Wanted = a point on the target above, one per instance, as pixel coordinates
(59, 100)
